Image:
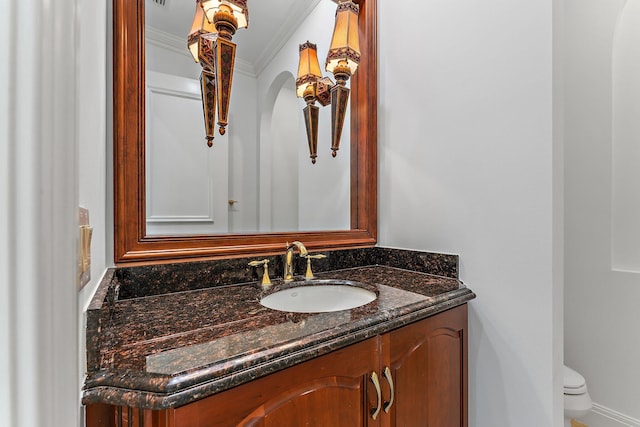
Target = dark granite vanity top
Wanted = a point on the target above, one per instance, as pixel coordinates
(163, 336)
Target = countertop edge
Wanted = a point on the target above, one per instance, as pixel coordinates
(171, 398)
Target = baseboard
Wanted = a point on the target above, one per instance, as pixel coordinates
(601, 416)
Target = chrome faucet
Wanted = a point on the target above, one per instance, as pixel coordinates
(288, 259)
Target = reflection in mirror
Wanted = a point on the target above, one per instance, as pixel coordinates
(134, 245)
(283, 155)
(262, 162)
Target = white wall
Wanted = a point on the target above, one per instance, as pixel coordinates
(466, 166)
(7, 409)
(601, 312)
(625, 138)
(38, 214)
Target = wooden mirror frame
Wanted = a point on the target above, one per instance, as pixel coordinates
(133, 246)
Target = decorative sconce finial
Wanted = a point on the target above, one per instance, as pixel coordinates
(342, 60)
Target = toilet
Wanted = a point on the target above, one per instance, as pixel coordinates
(577, 402)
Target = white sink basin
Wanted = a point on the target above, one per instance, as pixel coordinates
(319, 297)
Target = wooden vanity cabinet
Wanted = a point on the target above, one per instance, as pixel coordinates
(421, 371)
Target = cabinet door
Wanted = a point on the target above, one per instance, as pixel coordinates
(331, 390)
(428, 367)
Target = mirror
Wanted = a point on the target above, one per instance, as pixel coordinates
(133, 164)
(261, 165)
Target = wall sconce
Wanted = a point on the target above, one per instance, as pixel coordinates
(342, 60)
(214, 24)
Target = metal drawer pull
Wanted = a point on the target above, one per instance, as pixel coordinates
(389, 378)
(376, 384)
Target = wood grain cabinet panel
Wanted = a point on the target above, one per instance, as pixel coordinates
(428, 367)
(421, 371)
(330, 390)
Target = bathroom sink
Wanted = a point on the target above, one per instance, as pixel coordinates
(319, 296)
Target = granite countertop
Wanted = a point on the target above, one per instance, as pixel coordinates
(158, 348)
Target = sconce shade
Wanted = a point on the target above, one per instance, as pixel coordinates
(238, 9)
(308, 68)
(345, 43)
(199, 27)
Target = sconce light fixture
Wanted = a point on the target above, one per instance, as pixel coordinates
(214, 24)
(342, 60)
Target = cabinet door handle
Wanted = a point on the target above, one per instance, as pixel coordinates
(389, 378)
(375, 411)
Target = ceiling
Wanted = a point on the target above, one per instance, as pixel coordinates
(270, 24)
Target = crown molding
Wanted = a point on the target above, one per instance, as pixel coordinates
(178, 45)
(167, 41)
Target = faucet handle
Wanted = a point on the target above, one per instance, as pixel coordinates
(309, 274)
(265, 281)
